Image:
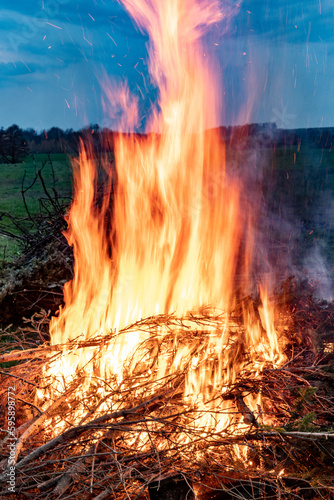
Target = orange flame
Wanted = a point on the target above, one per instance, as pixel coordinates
(180, 230)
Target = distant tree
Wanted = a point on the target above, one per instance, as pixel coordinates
(3, 141)
(13, 147)
(55, 133)
(56, 140)
(29, 134)
(48, 145)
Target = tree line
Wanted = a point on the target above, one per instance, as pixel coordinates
(16, 143)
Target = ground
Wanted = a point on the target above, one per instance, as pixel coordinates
(21, 175)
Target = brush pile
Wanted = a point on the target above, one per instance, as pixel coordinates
(33, 279)
(126, 444)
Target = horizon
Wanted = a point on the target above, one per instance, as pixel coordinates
(102, 129)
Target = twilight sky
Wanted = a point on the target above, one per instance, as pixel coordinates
(276, 58)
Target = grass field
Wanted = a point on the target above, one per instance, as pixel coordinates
(297, 185)
(11, 178)
(303, 192)
(14, 178)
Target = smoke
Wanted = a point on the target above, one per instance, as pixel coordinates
(292, 210)
(298, 216)
(318, 263)
(316, 268)
(249, 158)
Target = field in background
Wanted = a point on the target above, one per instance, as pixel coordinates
(296, 183)
(13, 178)
(302, 194)
(296, 226)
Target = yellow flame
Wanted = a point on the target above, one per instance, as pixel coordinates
(179, 235)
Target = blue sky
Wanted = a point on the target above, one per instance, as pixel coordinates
(276, 58)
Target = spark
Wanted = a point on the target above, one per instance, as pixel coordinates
(75, 105)
(25, 65)
(111, 38)
(141, 92)
(69, 107)
(144, 80)
(54, 25)
(87, 41)
(83, 54)
(91, 16)
(29, 89)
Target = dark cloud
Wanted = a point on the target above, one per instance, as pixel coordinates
(69, 44)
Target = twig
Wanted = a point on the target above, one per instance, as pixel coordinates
(104, 494)
(40, 352)
(30, 404)
(68, 434)
(19, 378)
(37, 424)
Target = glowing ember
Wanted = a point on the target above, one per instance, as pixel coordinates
(181, 234)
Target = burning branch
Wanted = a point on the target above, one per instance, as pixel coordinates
(205, 393)
(249, 417)
(154, 425)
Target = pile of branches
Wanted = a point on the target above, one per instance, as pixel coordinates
(35, 278)
(127, 444)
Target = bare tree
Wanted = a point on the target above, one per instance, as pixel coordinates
(12, 144)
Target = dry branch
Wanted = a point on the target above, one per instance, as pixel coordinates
(119, 453)
(28, 354)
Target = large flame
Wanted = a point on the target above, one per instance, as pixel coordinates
(181, 229)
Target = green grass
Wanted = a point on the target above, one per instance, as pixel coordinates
(14, 178)
(11, 178)
(303, 183)
(298, 185)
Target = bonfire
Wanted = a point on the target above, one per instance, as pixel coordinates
(172, 370)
